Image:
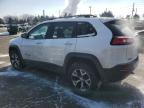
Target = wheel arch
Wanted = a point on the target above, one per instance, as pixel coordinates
(15, 47)
(83, 57)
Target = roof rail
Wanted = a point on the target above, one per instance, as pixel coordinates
(80, 16)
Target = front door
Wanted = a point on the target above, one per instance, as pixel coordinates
(32, 46)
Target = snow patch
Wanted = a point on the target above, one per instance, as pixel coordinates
(62, 91)
(136, 104)
(4, 34)
(140, 79)
(10, 73)
(86, 103)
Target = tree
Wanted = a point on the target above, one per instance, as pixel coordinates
(35, 21)
(107, 14)
(128, 17)
(30, 19)
(1, 21)
(27, 18)
(8, 19)
(136, 16)
(11, 19)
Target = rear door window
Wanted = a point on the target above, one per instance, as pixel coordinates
(84, 29)
(64, 30)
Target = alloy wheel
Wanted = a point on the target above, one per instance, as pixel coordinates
(15, 60)
(81, 79)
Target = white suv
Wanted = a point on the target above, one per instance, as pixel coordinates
(87, 50)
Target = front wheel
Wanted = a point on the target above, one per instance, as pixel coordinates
(82, 77)
(16, 60)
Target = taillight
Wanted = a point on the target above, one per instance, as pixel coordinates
(122, 40)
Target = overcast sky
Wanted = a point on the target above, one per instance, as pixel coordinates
(52, 7)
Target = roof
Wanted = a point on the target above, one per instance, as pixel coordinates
(106, 19)
(81, 19)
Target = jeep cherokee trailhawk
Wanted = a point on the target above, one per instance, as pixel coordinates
(87, 50)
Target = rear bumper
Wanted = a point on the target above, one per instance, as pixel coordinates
(119, 72)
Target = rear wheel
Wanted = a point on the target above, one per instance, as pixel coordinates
(82, 77)
(16, 60)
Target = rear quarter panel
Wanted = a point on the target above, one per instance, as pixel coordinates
(99, 46)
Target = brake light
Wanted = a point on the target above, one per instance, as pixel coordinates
(122, 40)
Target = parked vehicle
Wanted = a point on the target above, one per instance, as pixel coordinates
(12, 29)
(87, 50)
(23, 27)
(2, 25)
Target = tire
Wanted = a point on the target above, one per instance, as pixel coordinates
(16, 60)
(82, 77)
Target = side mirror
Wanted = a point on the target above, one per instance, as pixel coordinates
(24, 35)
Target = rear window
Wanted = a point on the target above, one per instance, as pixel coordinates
(119, 28)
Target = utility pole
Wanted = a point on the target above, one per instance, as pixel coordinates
(90, 9)
(106, 9)
(136, 11)
(43, 13)
(133, 9)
